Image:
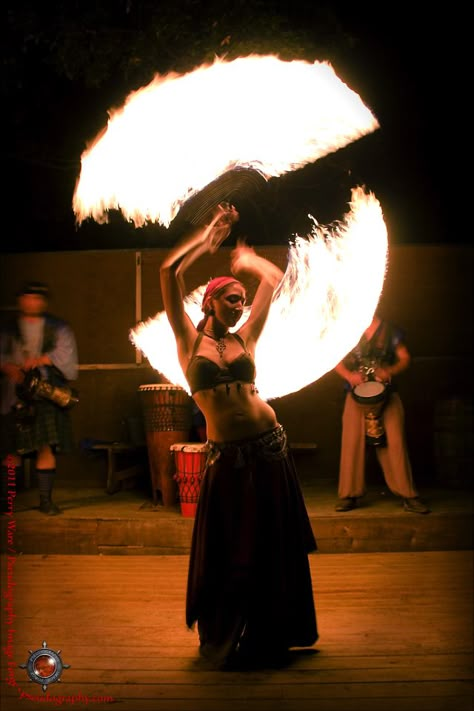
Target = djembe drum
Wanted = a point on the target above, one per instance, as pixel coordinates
(190, 464)
(167, 413)
(371, 396)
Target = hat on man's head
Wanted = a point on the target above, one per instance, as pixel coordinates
(34, 287)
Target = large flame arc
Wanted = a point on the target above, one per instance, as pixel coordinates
(174, 136)
(326, 299)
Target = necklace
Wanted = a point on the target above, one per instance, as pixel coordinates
(221, 345)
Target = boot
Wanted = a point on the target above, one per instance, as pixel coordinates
(45, 485)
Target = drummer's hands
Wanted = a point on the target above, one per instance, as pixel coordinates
(355, 377)
(31, 363)
(383, 375)
(13, 372)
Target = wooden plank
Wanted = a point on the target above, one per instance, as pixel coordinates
(396, 633)
(303, 446)
(435, 697)
(129, 524)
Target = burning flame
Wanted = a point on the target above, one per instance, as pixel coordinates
(174, 136)
(326, 299)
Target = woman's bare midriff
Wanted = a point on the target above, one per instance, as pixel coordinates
(234, 413)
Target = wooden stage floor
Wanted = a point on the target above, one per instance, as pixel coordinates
(103, 586)
(127, 522)
(396, 634)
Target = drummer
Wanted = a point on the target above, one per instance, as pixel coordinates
(381, 355)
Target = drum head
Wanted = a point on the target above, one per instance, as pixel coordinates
(189, 447)
(369, 389)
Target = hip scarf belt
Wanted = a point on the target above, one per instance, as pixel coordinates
(271, 445)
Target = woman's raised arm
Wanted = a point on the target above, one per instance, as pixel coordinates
(202, 239)
(245, 261)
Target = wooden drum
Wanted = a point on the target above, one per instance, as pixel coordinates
(167, 413)
(190, 464)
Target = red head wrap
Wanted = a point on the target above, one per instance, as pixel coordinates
(213, 288)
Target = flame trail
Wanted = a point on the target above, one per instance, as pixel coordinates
(326, 299)
(172, 139)
(174, 136)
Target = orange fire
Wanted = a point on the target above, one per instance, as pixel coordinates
(174, 136)
(181, 132)
(325, 301)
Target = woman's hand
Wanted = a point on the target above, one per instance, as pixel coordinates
(242, 258)
(203, 239)
(226, 213)
(223, 219)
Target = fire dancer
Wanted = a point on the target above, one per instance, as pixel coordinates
(249, 582)
(35, 341)
(380, 355)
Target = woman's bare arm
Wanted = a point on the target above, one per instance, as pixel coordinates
(245, 261)
(203, 239)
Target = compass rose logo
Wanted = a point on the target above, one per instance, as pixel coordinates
(44, 666)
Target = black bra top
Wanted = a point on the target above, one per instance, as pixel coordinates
(204, 374)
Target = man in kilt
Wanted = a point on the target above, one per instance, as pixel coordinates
(34, 342)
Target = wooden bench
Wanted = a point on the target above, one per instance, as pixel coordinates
(303, 447)
(116, 453)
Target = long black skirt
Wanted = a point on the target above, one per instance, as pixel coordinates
(249, 582)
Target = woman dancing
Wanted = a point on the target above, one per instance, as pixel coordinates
(249, 583)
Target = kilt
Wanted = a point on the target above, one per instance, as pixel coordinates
(51, 425)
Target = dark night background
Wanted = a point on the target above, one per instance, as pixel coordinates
(66, 63)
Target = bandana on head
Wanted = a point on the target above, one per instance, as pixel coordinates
(212, 289)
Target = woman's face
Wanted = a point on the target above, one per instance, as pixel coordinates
(229, 304)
